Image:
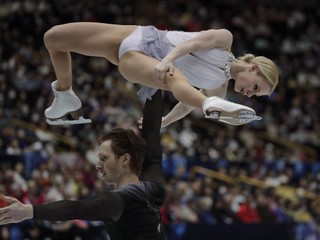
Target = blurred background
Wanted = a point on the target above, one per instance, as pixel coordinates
(257, 181)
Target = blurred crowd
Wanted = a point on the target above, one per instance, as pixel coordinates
(40, 163)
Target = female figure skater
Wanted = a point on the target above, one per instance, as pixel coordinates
(133, 164)
(175, 61)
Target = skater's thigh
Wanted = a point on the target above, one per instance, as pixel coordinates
(90, 39)
(138, 68)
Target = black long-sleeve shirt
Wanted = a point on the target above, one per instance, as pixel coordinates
(131, 211)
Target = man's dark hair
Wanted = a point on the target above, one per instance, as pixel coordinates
(127, 141)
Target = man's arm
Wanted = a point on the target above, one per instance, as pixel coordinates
(152, 116)
(103, 206)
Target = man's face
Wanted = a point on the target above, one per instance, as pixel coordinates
(108, 165)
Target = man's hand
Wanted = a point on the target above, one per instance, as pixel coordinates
(15, 212)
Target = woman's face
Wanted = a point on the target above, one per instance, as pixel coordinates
(108, 165)
(250, 83)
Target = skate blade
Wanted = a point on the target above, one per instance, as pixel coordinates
(236, 118)
(239, 121)
(60, 121)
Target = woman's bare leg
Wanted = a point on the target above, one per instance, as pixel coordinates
(138, 68)
(90, 39)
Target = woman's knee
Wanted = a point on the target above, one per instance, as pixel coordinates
(52, 37)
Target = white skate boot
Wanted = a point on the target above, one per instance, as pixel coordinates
(65, 103)
(228, 112)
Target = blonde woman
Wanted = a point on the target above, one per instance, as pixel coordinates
(176, 61)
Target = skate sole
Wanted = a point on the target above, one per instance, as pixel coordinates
(57, 122)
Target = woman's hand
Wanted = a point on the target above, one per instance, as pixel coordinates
(159, 73)
(15, 212)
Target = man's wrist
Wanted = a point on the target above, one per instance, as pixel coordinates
(30, 213)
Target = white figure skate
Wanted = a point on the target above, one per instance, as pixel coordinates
(65, 103)
(228, 112)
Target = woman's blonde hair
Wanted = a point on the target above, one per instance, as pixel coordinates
(267, 68)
